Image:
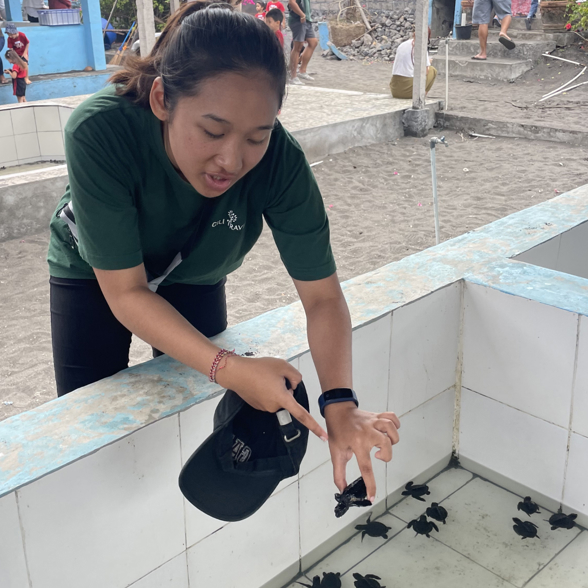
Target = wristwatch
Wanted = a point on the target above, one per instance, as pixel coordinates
(336, 395)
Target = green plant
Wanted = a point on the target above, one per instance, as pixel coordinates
(577, 14)
(126, 12)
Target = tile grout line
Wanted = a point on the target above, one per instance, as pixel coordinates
(570, 424)
(22, 534)
(514, 408)
(458, 374)
(184, 505)
(556, 555)
(388, 381)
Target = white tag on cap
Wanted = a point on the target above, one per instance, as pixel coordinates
(284, 417)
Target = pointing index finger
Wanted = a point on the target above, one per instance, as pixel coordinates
(304, 417)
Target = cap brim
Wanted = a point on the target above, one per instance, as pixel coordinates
(225, 495)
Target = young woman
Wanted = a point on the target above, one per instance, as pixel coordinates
(181, 159)
(18, 74)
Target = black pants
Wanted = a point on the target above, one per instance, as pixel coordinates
(90, 344)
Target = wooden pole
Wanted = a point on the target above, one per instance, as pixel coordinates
(420, 54)
(366, 22)
(146, 25)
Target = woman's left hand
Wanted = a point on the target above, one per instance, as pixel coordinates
(354, 431)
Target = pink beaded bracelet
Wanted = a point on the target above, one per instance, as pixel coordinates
(214, 368)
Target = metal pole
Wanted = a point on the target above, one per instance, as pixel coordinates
(446, 74)
(434, 142)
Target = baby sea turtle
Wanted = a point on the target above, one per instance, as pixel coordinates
(354, 495)
(437, 512)
(367, 581)
(526, 529)
(416, 491)
(330, 580)
(559, 520)
(374, 529)
(423, 526)
(528, 506)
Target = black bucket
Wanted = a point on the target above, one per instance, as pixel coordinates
(463, 33)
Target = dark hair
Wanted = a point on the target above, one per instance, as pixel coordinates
(261, 3)
(202, 41)
(275, 14)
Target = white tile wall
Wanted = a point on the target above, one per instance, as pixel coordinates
(517, 445)
(27, 146)
(64, 114)
(580, 419)
(5, 123)
(424, 348)
(8, 154)
(544, 255)
(51, 145)
(13, 571)
(371, 345)
(196, 425)
(172, 574)
(318, 451)
(426, 435)
(519, 352)
(317, 503)
(117, 512)
(251, 552)
(572, 257)
(576, 490)
(23, 120)
(47, 118)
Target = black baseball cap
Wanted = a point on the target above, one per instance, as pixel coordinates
(233, 473)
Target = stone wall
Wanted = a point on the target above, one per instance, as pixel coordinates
(324, 8)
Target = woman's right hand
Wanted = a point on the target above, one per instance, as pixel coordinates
(261, 382)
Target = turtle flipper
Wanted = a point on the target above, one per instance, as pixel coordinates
(420, 498)
(363, 535)
(435, 527)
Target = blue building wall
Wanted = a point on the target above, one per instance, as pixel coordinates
(60, 49)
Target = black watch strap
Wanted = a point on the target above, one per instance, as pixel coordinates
(336, 395)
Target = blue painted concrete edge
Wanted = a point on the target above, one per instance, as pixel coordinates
(43, 440)
(51, 88)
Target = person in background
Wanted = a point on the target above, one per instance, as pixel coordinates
(20, 43)
(260, 10)
(300, 21)
(32, 8)
(482, 14)
(271, 5)
(532, 13)
(403, 70)
(59, 4)
(2, 10)
(3, 80)
(17, 73)
(274, 19)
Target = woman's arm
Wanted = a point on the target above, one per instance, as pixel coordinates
(351, 431)
(259, 381)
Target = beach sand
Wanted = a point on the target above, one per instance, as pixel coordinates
(379, 204)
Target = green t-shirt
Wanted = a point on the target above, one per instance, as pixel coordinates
(305, 7)
(132, 206)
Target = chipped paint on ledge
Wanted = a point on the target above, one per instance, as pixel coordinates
(47, 438)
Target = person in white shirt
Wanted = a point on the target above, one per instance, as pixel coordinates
(2, 10)
(403, 70)
(32, 7)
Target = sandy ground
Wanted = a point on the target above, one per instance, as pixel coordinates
(483, 99)
(380, 208)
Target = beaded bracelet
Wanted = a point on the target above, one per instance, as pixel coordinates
(214, 368)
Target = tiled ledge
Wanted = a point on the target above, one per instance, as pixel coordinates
(45, 439)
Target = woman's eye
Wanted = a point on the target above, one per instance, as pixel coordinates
(211, 135)
(257, 142)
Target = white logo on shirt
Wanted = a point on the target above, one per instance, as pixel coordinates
(231, 222)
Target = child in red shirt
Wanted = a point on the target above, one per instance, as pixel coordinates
(271, 5)
(18, 74)
(260, 10)
(20, 44)
(274, 19)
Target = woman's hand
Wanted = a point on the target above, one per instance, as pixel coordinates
(354, 431)
(261, 382)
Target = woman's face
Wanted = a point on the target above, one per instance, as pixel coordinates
(215, 138)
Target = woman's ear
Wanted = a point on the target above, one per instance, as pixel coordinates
(157, 100)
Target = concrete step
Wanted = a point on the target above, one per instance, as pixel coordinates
(492, 69)
(560, 39)
(523, 50)
(518, 23)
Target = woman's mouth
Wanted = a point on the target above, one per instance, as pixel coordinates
(217, 182)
